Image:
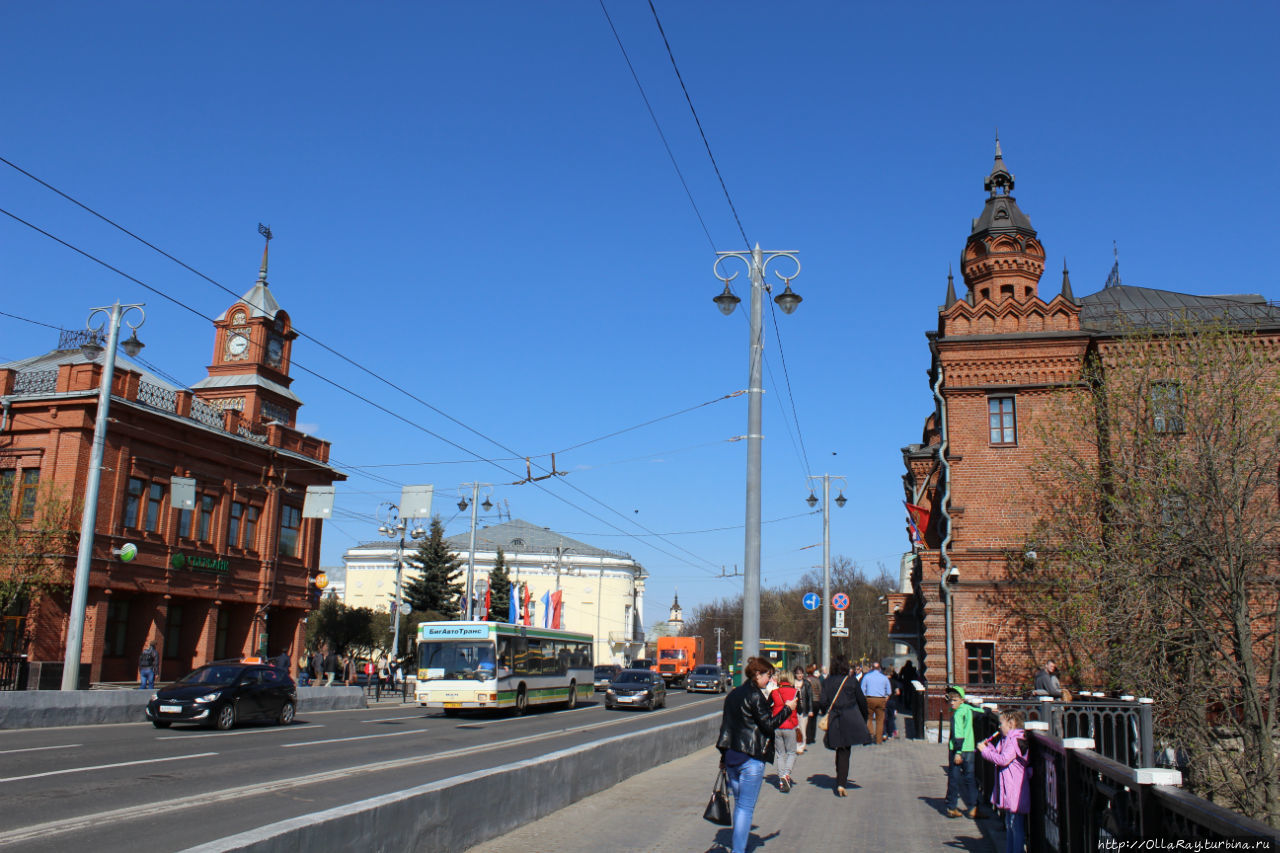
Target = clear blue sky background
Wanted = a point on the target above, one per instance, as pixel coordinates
(472, 200)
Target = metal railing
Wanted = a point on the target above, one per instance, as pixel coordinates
(206, 414)
(35, 381)
(157, 397)
(13, 672)
(1081, 800)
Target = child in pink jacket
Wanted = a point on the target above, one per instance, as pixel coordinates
(1013, 783)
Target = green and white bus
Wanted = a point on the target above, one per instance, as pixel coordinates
(477, 665)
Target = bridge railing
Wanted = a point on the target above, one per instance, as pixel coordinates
(1081, 799)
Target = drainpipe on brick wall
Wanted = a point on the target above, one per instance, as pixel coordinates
(943, 500)
(4, 421)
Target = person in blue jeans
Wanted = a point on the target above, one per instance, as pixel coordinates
(147, 667)
(961, 783)
(746, 742)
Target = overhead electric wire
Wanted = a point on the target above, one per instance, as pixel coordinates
(378, 406)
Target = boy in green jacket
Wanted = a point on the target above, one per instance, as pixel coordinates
(960, 779)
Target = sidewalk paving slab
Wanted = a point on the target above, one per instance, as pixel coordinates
(895, 802)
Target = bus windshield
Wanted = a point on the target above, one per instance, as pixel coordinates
(457, 660)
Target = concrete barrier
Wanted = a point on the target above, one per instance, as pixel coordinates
(462, 811)
(29, 709)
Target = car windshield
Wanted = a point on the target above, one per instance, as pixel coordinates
(633, 676)
(705, 670)
(211, 675)
(604, 671)
(672, 654)
(457, 661)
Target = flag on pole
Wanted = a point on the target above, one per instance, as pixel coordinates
(546, 609)
(528, 619)
(513, 605)
(488, 600)
(557, 609)
(917, 521)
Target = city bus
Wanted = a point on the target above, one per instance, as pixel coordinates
(485, 665)
(783, 656)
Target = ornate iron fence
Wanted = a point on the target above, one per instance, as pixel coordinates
(206, 414)
(35, 381)
(157, 397)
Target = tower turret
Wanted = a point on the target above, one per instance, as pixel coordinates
(1002, 258)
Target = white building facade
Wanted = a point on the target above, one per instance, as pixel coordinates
(602, 592)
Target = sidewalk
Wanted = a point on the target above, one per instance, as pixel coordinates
(895, 803)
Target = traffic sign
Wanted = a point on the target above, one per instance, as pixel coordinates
(811, 601)
(839, 632)
(839, 618)
(840, 601)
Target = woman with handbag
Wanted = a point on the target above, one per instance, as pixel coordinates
(746, 743)
(844, 718)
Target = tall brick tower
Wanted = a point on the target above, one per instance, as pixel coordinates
(1002, 258)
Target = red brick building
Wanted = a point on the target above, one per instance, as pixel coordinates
(208, 582)
(1000, 350)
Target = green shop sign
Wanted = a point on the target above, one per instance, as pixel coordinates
(200, 563)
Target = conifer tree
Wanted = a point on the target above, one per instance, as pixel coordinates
(499, 589)
(437, 588)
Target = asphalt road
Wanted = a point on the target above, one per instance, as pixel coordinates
(131, 787)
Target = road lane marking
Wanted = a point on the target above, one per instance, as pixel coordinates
(412, 717)
(105, 766)
(354, 737)
(64, 825)
(38, 748)
(245, 732)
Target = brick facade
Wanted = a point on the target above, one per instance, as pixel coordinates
(206, 585)
(1001, 349)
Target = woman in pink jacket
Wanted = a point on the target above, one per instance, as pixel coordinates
(1013, 782)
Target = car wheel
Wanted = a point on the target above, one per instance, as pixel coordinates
(287, 711)
(161, 724)
(226, 718)
(522, 701)
(573, 697)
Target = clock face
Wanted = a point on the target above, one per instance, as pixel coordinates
(275, 349)
(237, 344)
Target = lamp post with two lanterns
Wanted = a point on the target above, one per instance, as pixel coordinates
(471, 550)
(394, 527)
(91, 349)
(812, 501)
(757, 262)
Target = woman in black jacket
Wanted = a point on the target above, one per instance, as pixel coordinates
(806, 704)
(846, 708)
(746, 742)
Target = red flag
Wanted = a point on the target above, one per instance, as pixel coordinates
(486, 601)
(527, 596)
(557, 599)
(919, 518)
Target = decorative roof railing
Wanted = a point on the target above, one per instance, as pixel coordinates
(158, 397)
(206, 414)
(36, 381)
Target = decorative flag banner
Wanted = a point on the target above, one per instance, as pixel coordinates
(918, 519)
(557, 609)
(488, 600)
(528, 596)
(546, 609)
(513, 605)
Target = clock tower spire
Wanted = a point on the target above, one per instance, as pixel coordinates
(253, 340)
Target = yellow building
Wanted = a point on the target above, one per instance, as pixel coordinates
(602, 591)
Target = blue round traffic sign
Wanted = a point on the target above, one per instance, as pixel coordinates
(811, 601)
(840, 601)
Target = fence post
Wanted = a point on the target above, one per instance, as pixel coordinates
(1144, 732)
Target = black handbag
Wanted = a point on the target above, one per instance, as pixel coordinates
(718, 810)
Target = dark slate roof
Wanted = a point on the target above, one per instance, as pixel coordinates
(1125, 306)
(521, 536)
(1001, 214)
(51, 361)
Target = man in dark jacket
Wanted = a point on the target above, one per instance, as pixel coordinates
(746, 742)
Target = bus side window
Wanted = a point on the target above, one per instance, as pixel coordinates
(504, 653)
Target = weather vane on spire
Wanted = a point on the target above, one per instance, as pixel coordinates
(265, 231)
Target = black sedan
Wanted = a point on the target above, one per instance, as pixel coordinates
(223, 693)
(706, 677)
(636, 688)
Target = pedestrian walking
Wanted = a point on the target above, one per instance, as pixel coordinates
(961, 783)
(846, 710)
(382, 671)
(348, 671)
(876, 687)
(805, 699)
(330, 667)
(147, 662)
(815, 686)
(784, 738)
(746, 743)
(1008, 752)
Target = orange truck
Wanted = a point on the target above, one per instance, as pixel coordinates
(677, 656)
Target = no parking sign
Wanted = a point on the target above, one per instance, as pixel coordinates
(840, 601)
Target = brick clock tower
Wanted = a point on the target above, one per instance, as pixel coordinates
(250, 370)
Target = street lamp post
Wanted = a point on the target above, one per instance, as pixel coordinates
(757, 262)
(812, 500)
(84, 555)
(471, 550)
(394, 527)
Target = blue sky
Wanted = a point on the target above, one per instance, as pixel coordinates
(472, 200)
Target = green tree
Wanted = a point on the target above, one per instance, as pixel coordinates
(1156, 559)
(436, 589)
(500, 589)
(343, 629)
(36, 540)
